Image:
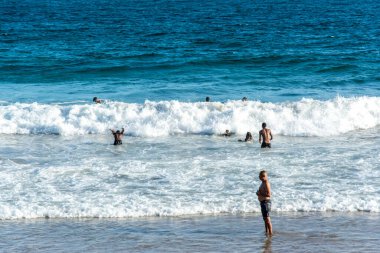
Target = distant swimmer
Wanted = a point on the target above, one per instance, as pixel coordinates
(118, 135)
(97, 100)
(207, 99)
(227, 133)
(244, 99)
(266, 136)
(248, 137)
(264, 194)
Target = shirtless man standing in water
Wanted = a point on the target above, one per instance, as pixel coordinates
(264, 194)
(266, 135)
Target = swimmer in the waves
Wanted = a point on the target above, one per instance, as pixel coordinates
(118, 135)
(97, 100)
(266, 136)
(248, 137)
(227, 133)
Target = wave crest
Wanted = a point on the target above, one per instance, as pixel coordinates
(307, 117)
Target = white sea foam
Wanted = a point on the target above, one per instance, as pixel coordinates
(307, 117)
(69, 173)
(60, 176)
(69, 192)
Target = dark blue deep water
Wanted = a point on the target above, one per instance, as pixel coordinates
(56, 51)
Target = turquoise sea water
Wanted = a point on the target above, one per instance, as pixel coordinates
(54, 51)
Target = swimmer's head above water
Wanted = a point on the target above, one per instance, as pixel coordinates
(96, 100)
(248, 136)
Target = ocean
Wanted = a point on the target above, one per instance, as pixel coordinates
(310, 70)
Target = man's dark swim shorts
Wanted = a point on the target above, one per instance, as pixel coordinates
(265, 208)
(118, 142)
(265, 145)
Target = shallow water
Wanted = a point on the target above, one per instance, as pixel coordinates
(305, 232)
(86, 176)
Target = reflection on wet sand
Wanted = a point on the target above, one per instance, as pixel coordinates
(267, 246)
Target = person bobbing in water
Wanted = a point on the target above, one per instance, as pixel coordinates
(96, 100)
(263, 194)
(266, 136)
(248, 137)
(227, 133)
(118, 135)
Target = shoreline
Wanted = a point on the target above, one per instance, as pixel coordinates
(293, 232)
(205, 215)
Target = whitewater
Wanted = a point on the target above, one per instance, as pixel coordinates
(307, 117)
(58, 161)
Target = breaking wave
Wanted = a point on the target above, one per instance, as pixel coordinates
(307, 117)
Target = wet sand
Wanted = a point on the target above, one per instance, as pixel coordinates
(293, 232)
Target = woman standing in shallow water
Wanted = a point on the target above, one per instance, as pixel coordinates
(263, 194)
